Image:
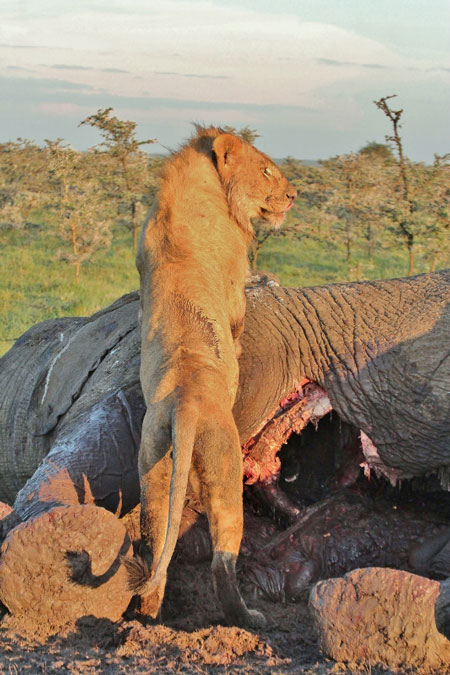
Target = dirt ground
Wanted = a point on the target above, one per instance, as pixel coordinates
(190, 640)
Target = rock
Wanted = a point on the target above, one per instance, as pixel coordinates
(380, 616)
(63, 565)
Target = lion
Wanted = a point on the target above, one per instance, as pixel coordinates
(192, 261)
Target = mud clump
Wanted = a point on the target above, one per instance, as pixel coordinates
(63, 565)
(380, 616)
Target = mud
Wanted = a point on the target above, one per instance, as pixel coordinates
(190, 641)
(369, 523)
(191, 638)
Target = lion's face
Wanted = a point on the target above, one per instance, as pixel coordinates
(255, 186)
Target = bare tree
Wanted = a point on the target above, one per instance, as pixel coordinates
(402, 217)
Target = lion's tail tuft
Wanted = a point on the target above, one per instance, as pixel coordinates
(138, 573)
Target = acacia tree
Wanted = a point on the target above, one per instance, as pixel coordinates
(22, 180)
(247, 134)
(381, 152)
(130, 164)
(78, 203)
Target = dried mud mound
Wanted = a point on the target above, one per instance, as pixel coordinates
(377, 615)
(39, 557)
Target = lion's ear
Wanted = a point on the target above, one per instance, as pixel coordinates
(226, 148)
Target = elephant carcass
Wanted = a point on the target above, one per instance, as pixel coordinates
(377, 351)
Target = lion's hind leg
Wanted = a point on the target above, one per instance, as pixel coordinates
(155, 471)
(217, 461)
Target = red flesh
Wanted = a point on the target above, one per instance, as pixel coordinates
(307, 403)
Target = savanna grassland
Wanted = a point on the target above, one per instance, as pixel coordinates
(69, 221)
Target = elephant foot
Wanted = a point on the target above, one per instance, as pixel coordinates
(395, 620)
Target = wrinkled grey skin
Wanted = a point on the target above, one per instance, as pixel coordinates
(70, 393)
(380, 349)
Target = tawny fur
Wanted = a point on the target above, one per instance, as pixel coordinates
(192, 261)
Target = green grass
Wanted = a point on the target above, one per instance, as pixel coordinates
(309, 263)
(36, 284)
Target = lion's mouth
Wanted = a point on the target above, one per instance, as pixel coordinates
(277, 216)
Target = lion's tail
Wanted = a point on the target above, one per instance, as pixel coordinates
(184, 427)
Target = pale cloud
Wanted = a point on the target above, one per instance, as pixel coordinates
(239, 49)
(63, 66)
(182, 60)
(72, 110)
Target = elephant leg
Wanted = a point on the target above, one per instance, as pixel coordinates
(432, 556)
(217, 461)
(155, 471)
(269, 493)
(440, 564)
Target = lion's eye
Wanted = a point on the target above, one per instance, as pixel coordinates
(267, 171)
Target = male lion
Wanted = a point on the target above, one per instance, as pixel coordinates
(192, 261)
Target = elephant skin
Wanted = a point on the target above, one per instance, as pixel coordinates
(377, 351)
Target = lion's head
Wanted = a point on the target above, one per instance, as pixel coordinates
(254, 185)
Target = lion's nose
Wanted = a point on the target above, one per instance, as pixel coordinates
(291, 193)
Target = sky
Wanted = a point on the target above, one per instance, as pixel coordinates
(303, 73)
